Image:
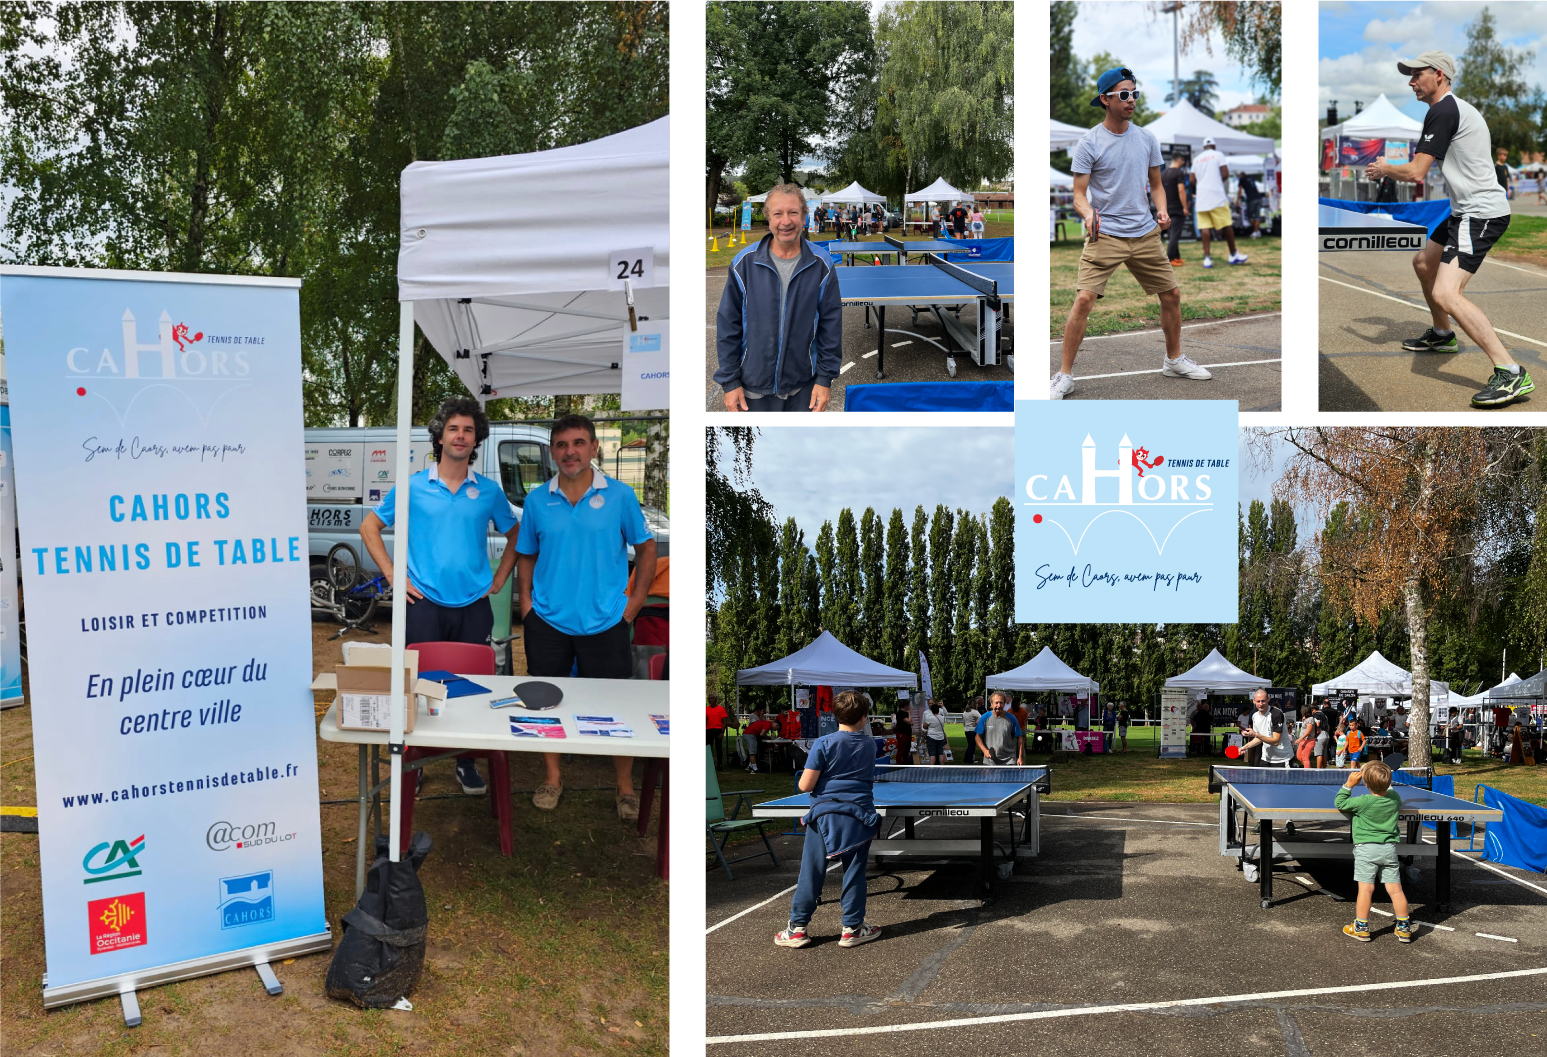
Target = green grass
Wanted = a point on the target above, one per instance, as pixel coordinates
(1214, 293)
(1526, 238)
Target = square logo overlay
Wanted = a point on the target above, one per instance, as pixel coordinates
(116, 923)
(1125, 511)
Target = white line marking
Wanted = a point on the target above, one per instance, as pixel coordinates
(1425, 308)
(1515, 267)
(1383, 913)
(871, 355)
(1190, 326)
(1117, 818)
(1126, 374)
(1491, 936)
(1125, 1007)
(1494, 869)
(845, 368)
(758, 906)
(897, 345)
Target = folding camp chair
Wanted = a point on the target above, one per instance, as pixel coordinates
(720, 827)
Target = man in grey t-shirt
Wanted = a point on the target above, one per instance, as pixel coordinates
(1116, 179)
(1455, 135)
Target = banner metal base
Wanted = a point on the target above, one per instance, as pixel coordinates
(125, 985)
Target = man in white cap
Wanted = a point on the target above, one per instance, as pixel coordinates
(1116, 168)
(1455, 135)
(1213, 204)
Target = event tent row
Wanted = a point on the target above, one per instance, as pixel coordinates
(1375, 676)
(1380, 120)
(1183, 124)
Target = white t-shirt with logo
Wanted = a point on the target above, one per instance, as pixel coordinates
(1211, 187)
(1265, 723)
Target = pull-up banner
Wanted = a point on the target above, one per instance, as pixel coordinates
(161, 500)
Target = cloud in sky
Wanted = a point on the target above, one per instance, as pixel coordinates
(1141, 41)
(1360, 43)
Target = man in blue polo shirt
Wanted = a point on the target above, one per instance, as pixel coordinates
(572, 575)
(450, 507)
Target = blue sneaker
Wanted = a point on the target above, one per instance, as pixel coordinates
(472, 782)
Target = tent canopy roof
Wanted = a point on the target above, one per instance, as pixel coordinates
(511, 308)
(1062, 136)
(1059, 179)
(1535, 686)
(939, 191)
(1216, 674)
(1043, 672)
(1187, 125)
(825, 662)
(1380, 120)
(811, 196)
(853, 193)
(1376, 676)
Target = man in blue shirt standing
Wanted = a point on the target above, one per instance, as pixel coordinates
(450, 508)
(572, 574)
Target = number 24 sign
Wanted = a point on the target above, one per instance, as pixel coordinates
(636, 266)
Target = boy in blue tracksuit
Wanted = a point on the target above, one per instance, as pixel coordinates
(840, 776)
(779, 330)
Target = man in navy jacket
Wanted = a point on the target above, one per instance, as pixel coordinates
(779, 331)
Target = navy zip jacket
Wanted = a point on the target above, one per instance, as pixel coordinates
(772, 347)
(844, 821)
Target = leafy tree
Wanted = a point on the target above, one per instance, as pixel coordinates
(827, 573)
(1067, 75)
(1252, 32)
(850, 581)
(895, 626)
(872, 627)
(918, 588)
(793, 622)
(732, 505)
(1201, 90)
(1492, 76)
(942, 590)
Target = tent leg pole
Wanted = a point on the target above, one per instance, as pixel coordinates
(399, 701)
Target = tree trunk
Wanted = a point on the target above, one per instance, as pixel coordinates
(1418, 720)
(657, 457)
(717, 164)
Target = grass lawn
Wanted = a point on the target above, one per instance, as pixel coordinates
(1140, 775)
(1215, 293)
(1526, 240)
(560, 948)
(725, 254)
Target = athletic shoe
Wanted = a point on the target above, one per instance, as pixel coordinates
(1208, 262)
(1504, 388)
(793, 936)
(1183, 367)
(1177, 262)
(1256, 235)
(864, 934)
(628, 807)
(546, 798)
(472, 782)
(1362, 935)
(1429, 341)
(1238, 258)
(1404, 933)
(1061, 386)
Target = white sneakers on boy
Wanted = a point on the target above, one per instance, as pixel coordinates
(1183, 367)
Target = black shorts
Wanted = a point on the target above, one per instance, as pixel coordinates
(429, 622)
(1468, 239)
(554, 654)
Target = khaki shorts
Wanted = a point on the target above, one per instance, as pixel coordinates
(1377, 864)
(1145, 257)
(1217, 218)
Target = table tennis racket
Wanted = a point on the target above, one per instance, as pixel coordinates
(538, 696)
(1395, 761)
(1232, 752)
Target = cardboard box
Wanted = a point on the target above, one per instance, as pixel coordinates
(364, 688)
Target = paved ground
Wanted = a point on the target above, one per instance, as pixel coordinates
(1243, 353)
(1370, 302)
(1128, 903)
(907, 358)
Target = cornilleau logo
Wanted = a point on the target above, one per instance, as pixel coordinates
(1374, 241)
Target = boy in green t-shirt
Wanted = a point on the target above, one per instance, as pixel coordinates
(1374, 819)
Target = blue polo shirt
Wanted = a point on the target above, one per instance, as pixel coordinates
(448, 535)
(580, 583)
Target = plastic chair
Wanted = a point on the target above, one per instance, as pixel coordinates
(720, 827)
(463, 658)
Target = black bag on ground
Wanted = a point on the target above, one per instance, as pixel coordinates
(381, 954)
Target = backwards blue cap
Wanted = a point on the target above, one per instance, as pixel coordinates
(1110, 78)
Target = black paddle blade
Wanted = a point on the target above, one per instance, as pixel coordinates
(1395, 761)
(539, 696)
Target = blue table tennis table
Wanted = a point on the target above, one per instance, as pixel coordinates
(912, 792)
(1342, 230)
(1272, 794)
(897, 249)
(944, 288)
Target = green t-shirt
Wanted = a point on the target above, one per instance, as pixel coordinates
(1374, 817)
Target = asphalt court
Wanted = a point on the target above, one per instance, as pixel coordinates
(1244, 353)
(1126, 904)
(907, 358)
(1371, 302)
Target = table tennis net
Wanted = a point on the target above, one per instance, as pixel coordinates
(917, 774)
(1304, 776)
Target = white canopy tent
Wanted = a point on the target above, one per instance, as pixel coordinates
(1380, 120)
(1533, 688)
(1239, 163)
(512, 306)
(854, 194)
(810, 196)
(1375, 676)
(1187, 125)
(1215, 675)
(1045, 671)
(825, 662)
(1058, 179)
(1472, 701)
(516, 304)
(1062, 136)
(939, 191)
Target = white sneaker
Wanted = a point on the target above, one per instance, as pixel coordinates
(1182, 367)
(1208, 262)
(1061, 385)
(1238, 258)
(1256, 234)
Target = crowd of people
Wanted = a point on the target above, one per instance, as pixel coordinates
(960, 220)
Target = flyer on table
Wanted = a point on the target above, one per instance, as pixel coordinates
(1126, 511)
(161, 503)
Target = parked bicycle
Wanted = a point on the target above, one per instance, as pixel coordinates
(344, 592)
